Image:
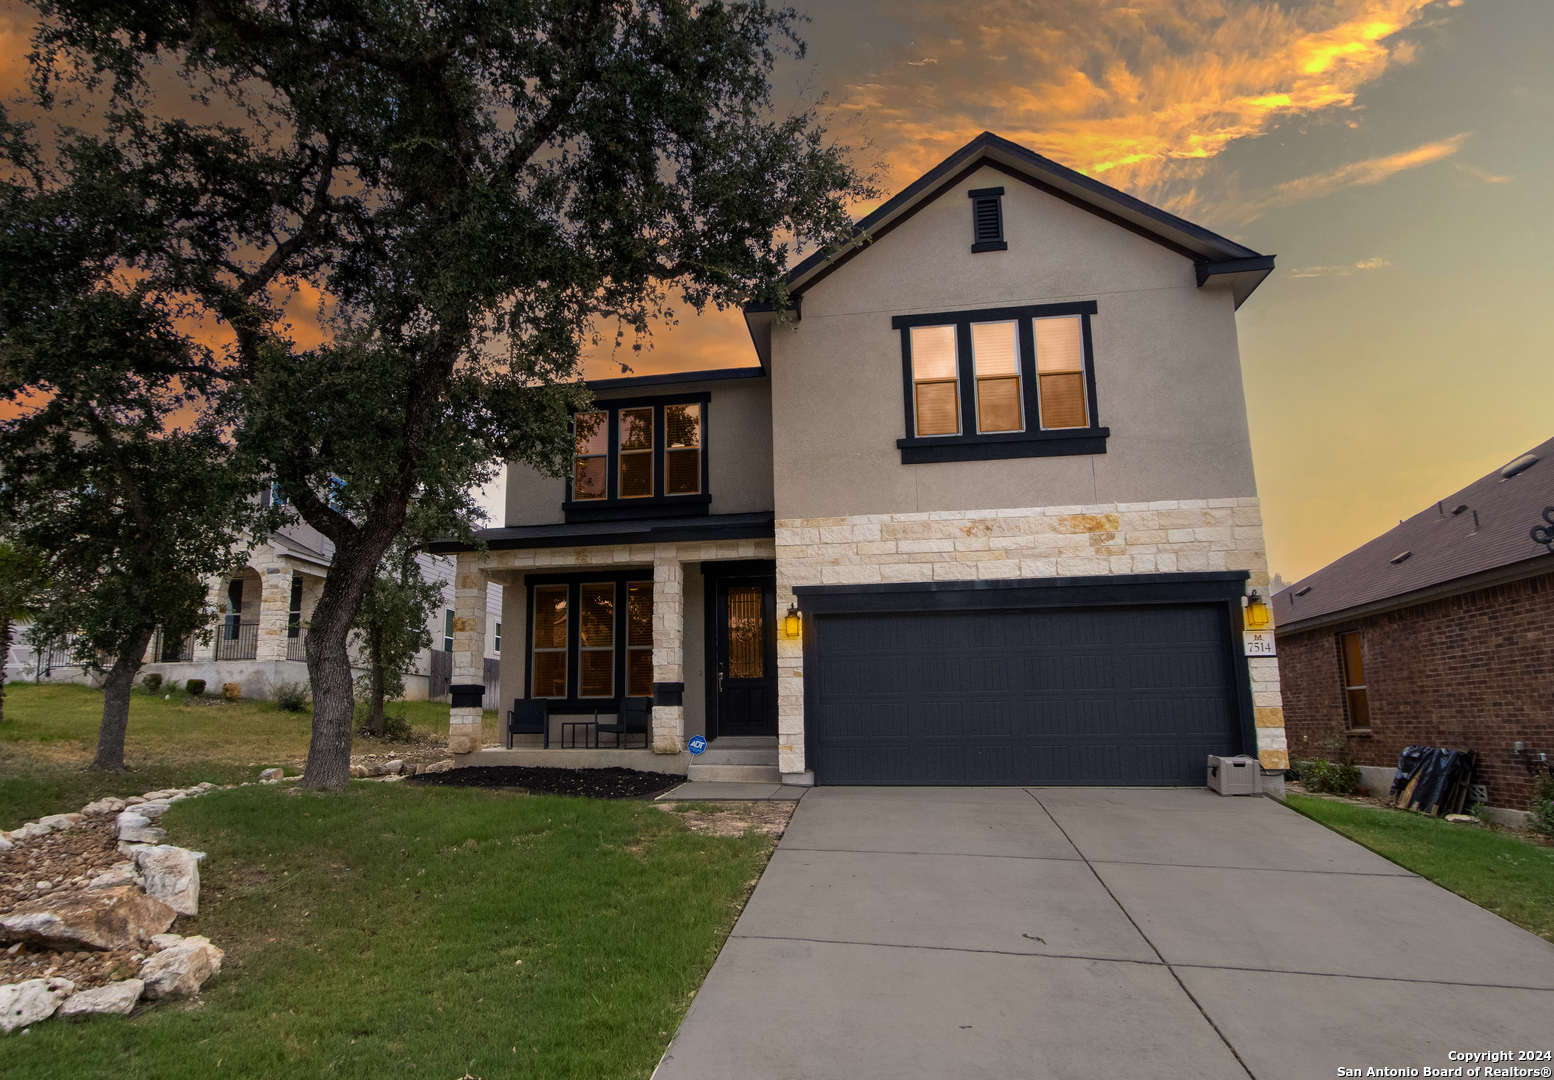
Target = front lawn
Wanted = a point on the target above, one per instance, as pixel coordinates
(49, 736)
(423, 931)
(1511, 877)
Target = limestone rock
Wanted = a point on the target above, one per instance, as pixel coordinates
(133, 800)
(166, 941)
(33, 830)
(439, 766)
(153, 809)
(358, 771)
(118, 874)
(271, 774)
(172, 876)
(28, 1002)
(117, 918)
(5, 842)
(116, 997)
(179, 972)
(1463, 819)
(136, 828)
(110, 805)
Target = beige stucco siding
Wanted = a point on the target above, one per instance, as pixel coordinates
(1168, 375)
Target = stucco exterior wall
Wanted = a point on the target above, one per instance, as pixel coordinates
(1167, 367)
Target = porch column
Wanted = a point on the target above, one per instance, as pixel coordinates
(469, 649)
(668, 645)
(790, 687)
(274, 607)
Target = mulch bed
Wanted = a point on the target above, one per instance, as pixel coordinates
(613, 783)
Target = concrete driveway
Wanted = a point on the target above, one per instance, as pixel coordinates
(1099, 932)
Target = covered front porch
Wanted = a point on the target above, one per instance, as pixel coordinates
(686, 626)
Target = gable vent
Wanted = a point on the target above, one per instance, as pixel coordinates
(987, 219)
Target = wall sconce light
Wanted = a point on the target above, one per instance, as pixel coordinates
(1256, 611)
(790, 622)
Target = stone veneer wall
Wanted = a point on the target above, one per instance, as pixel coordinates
(507, 567)
(1028, 542)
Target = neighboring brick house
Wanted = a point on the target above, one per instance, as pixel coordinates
(1439, 632)
(994, 460)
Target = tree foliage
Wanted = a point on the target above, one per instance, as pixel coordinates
(470, 184)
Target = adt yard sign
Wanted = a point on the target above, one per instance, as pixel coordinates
(696, 745)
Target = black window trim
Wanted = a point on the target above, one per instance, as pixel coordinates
(612, 507)
(978, 197)
(572, 703)
(971, 445)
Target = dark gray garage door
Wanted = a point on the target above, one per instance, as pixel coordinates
(1133, 695)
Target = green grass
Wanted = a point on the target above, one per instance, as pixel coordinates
(1509, 876)
(380, 932)
(49, 736)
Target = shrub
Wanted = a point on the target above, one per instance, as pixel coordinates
(395, 728)
(194, 687)
(152, 682)
(292, 696)
(1321, 775)
(232, 691)
(1486, 816)
(1542, 806)
(170, 688)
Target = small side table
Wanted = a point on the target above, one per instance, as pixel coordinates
(587, 726)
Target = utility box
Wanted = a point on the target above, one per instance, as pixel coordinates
(1235, 775)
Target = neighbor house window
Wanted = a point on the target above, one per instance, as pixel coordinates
(934, 380)
(1060, 372)
(607, 646)
(1351, 657)
(447, 630)
(999, 383)
(640, 458)
(496, 644)
(550, 641)
(589, 468)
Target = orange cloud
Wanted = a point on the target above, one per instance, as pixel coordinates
(1137, 92)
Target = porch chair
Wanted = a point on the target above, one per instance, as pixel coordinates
(529, 716)
(634, 718)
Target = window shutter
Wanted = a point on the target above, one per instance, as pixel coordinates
(987, 220)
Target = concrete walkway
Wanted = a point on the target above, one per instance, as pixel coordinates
(1094, 932)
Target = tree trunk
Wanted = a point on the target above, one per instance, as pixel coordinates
(375, 701)
(329, 662)
(5, 656)
(116, 701)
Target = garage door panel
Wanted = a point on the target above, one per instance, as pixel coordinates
(1098, 696)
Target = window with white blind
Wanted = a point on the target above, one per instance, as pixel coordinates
(643, 457)
(999, 383)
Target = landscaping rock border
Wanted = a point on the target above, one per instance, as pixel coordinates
(85, 903)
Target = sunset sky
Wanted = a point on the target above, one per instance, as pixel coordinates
(1395, 154)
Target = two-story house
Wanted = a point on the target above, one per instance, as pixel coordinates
(984, 513)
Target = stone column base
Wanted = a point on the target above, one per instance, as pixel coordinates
(667, 726)
(464, 733)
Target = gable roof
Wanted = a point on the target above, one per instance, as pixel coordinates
(1219, 261)
(1475, 537)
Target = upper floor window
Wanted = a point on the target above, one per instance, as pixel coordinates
(999, 383)
(639, 458)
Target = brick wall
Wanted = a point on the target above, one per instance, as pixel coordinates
(1470, 672)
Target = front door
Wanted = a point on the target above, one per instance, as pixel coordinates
(745, 657)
